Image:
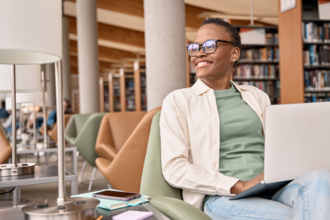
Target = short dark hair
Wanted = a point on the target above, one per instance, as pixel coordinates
(234, 35)
(68, 102)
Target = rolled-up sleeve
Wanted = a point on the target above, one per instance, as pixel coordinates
(178, 168)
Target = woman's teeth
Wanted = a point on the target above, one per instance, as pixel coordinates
(202, 64)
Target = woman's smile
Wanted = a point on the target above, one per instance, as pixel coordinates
(200, 63)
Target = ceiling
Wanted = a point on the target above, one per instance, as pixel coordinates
(121, 25)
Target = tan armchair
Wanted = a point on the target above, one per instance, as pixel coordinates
(122, 164)
(52, 133)
(5, 148)
(114, 130)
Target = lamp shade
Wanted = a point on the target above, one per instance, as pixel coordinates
(8, 104)
(27, 78)
(28, 98)
(31, 33)
(34, 25)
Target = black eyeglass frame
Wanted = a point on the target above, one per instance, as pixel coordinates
(201, 46)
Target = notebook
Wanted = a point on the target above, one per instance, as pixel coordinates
(114, 204)
(132, 215)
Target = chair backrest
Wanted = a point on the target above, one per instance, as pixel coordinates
(86, 138)
(53, 132)
(153, 182)
(5, 148)
(80, 120)
(125, 170)
(119, 126)
(3, 130)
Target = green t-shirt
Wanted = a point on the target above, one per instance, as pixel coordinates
(241, 138)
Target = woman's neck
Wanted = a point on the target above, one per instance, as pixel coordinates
(217, 84)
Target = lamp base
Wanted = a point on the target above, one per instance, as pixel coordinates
(20, 169)
(73, 208)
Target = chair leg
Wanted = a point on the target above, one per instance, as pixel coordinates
(82, 171)
(91, 180)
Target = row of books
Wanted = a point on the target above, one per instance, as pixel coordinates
(272, 88)
(316, 32)
(315, 98)
(256, 71)
(272, 38)
(317, 80)
(317, 55)
(262, 54)
(130, 105)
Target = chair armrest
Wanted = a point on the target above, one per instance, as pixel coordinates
(106, 151)
(177, 209)
(70, 133)
(5, 154)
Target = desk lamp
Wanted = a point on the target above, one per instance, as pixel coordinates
(31, 99)
(20, 81)
(62, 207)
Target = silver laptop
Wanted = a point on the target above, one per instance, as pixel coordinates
(297, 141)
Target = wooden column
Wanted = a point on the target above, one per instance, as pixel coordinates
(137, 86)
(101, 94)
(122, 90)
(291, 54)
(111, 93)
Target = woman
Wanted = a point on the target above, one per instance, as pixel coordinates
(212, 139)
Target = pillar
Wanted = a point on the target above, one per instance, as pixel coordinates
(66, 59)
(165, 48)
(88, 64)
(50, 85)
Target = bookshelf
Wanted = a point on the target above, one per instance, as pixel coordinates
(258, 64)
(122, 90)
(75, 101)
(140, 86)
(306, 56)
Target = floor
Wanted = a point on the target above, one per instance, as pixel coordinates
(36, 193)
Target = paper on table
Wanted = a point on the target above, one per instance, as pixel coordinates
(132, 215)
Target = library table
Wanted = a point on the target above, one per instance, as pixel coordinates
(31, 149)
(17, 214)
(41, 175)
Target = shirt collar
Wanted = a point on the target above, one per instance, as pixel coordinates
(199, 87)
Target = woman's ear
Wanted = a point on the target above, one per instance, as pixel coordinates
(235, 54)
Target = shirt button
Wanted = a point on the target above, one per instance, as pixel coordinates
(215, 119)
(261, 115)
(215, 141)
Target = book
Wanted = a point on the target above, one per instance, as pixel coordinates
(132, 215)
(111, 204)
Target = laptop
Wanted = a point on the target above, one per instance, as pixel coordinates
(296, 142)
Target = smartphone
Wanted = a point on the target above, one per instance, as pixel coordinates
(117, 195)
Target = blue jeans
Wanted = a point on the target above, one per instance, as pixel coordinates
(307, 197)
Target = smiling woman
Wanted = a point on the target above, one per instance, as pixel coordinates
(212, 139)
(220, 43)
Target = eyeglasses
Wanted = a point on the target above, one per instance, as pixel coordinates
(209, 46)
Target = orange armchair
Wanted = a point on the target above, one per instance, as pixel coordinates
(53, 132)
(5, 148)
(114, 130)
(122, 166)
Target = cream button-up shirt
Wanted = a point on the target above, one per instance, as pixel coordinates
(190, 140)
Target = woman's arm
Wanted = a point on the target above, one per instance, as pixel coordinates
(177, 169)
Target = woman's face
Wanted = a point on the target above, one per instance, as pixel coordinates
(218, 64)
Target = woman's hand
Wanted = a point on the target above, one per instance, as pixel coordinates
(241, 186)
